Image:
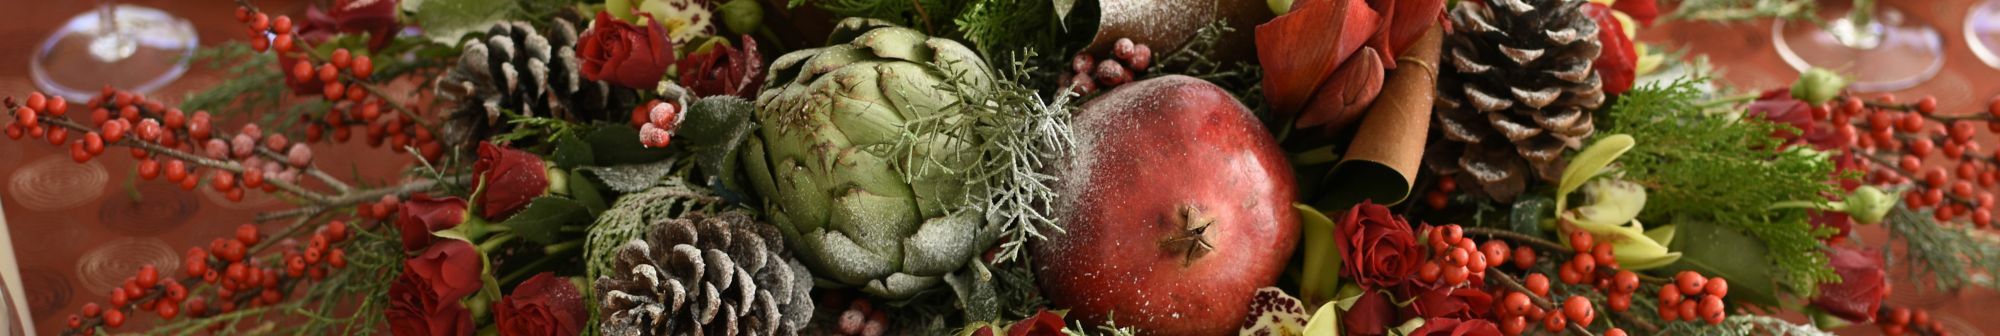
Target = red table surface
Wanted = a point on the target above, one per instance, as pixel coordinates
(81, 227)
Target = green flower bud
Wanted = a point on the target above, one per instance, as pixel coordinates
(558, 180)
(742, 16)
(1868, 204)
(1279, 7)
(1817, 86)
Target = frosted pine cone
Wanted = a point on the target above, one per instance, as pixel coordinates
(706, 275)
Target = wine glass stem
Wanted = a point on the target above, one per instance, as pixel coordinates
(112, 43)
(1859, 29)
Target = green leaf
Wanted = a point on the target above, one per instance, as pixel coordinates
(1063, 7)
(572, 152)
(587, 193)
(1320, 277)
(632, 178)
(545, 217)
(446, 21)
(1528, 215)
(619, 144)
(1718, 251)
(715, 128)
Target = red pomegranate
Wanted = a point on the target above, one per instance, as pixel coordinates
(1176, 209)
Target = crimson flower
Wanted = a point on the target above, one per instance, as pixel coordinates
(1325, 60)
(1457, 327)
(508, 179)
(424, 300)
(376, 17)
(724, 70)
(1618, 63)
(1044, 323)
(421, 216)
(1456, 302)
(1777, 106)
(1863, 284)
(617, 52)
(1371, 315)
(1377, 246)
(543, 305)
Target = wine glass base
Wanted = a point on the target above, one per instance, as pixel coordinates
(1982, 32)
(1900, 56)
(152, 48)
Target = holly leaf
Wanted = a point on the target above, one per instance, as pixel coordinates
(1714, 250)
(587, 193)
(545, 217)
(447, 21)
(572, 152)
(619, 144)
(632, 178)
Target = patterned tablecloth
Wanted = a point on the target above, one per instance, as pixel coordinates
(81, 228)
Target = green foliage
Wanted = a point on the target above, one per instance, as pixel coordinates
(1742, 10)
(991, 25)
(1948, 255)
(1723, 169)
(1020, 138)
(545, 217)
(1745, 325)
(254, 82)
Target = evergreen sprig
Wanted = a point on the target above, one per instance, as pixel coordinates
(254, 84)
(1741, 10)
(1746, 325)
(1016, 139)
(349, 301)
(1726, 169)
(1948, 254)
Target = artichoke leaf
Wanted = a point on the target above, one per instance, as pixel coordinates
(877, 223)
(896, 43)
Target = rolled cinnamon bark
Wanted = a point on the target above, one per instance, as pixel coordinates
(1381, 163)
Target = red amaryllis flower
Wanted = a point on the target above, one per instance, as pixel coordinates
(543, 305)
(724, 70)
(377, 17)
(1456, 302)
(617, 52)
(1324, 60)
(1378, 249)
(1371, 315)
(414, 312)
(1777, 106)
(1457, 327)
(1044, 323)
(421, 216)
(508, 179)
(1643, 11)
(1617, 65)
(1863, 285)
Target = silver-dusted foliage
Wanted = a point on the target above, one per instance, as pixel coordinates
(702, 274)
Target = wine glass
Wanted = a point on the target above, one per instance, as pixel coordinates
(129, 47)
(1878, 47)
(1982, 32)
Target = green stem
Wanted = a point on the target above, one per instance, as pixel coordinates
(1813, 205)
(525, 269)
(562, 247)
(490, 245)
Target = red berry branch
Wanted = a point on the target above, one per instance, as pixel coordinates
(231, 268)
(1901, 144)
(344, 80)
(1898, 321)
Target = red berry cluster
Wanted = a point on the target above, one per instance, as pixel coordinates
(1088, 75)
(657, 121)
(1913, 143)
(1692, 297)
(339, 77)
(382, 209)
(1454, 259)
(1899, 321)
(862, 319)
(1441, 196)
(246, 161)
(240, 279)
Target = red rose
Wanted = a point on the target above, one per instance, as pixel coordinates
(1457, 302)
(421, 216)
(1371, 315)
(1044, 323)
(1457, 327)
(1377, 247)
(543, 305)
(450, 268)
(1618, 63)
(413, 312)
(616, 52)
(377, 17)
(1863, 285)
(724, 70)
(508, 179)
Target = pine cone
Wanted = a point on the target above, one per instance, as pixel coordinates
(514, 68)
(1516, 90)
(706, 275)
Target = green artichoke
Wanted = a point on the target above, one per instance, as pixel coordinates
(847, 169)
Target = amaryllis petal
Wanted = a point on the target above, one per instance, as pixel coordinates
(1301, 49)
(1862, 287)
(1343, 98)
(1404, 21)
